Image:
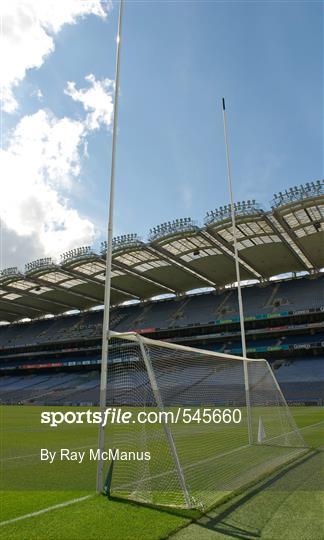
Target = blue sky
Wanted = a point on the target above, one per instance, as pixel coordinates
(178, 60)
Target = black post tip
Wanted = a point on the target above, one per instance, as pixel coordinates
(223, 100)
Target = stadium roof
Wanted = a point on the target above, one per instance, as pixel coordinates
(179, 256)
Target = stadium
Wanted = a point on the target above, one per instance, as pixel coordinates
(167, 384)
(177, 288)
(50, 357)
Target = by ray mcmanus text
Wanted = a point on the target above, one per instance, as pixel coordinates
(92, 454)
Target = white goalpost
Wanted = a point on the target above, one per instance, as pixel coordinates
(237, 268)
(105, 322)
(221, 420)
(199, 447)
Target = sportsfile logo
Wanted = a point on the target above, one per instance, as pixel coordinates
(115, 415)
(111, 415)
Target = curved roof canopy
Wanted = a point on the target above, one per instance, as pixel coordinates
(179, 256)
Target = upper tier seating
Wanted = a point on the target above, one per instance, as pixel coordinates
(186, 311)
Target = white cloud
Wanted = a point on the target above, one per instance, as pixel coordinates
(27, 30)
(39, 168)
(43, 157)
(97, 100)
(37, 93)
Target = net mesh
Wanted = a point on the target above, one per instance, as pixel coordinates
(196, 463)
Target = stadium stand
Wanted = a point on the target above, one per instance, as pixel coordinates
(301, 370)
(301, 380)
(167, 314)
(178, 286)
(82, 334)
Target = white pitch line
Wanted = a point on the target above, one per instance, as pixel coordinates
(311, 425)
(19, 457)
(38, 453)
(294, 431)
(45, 510)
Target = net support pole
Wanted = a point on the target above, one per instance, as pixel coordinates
(238, 277)
(166, 427)
(105, 324)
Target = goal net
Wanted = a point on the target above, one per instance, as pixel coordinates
(225, 422)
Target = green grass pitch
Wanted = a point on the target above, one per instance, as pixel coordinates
(287, 504)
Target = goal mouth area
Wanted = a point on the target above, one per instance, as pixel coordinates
(194, 464)
(263, 465)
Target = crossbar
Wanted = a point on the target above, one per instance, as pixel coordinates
(134, 336)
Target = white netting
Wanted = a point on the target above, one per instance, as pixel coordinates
(201, 462)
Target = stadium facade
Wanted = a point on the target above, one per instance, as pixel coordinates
(56, 359)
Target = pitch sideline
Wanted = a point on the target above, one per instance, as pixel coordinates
(45, 510)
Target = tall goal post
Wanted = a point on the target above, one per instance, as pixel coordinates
(193, 462)
(238, 274)
(105, 324)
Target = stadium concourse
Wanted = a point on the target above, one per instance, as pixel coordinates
(178, 286)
